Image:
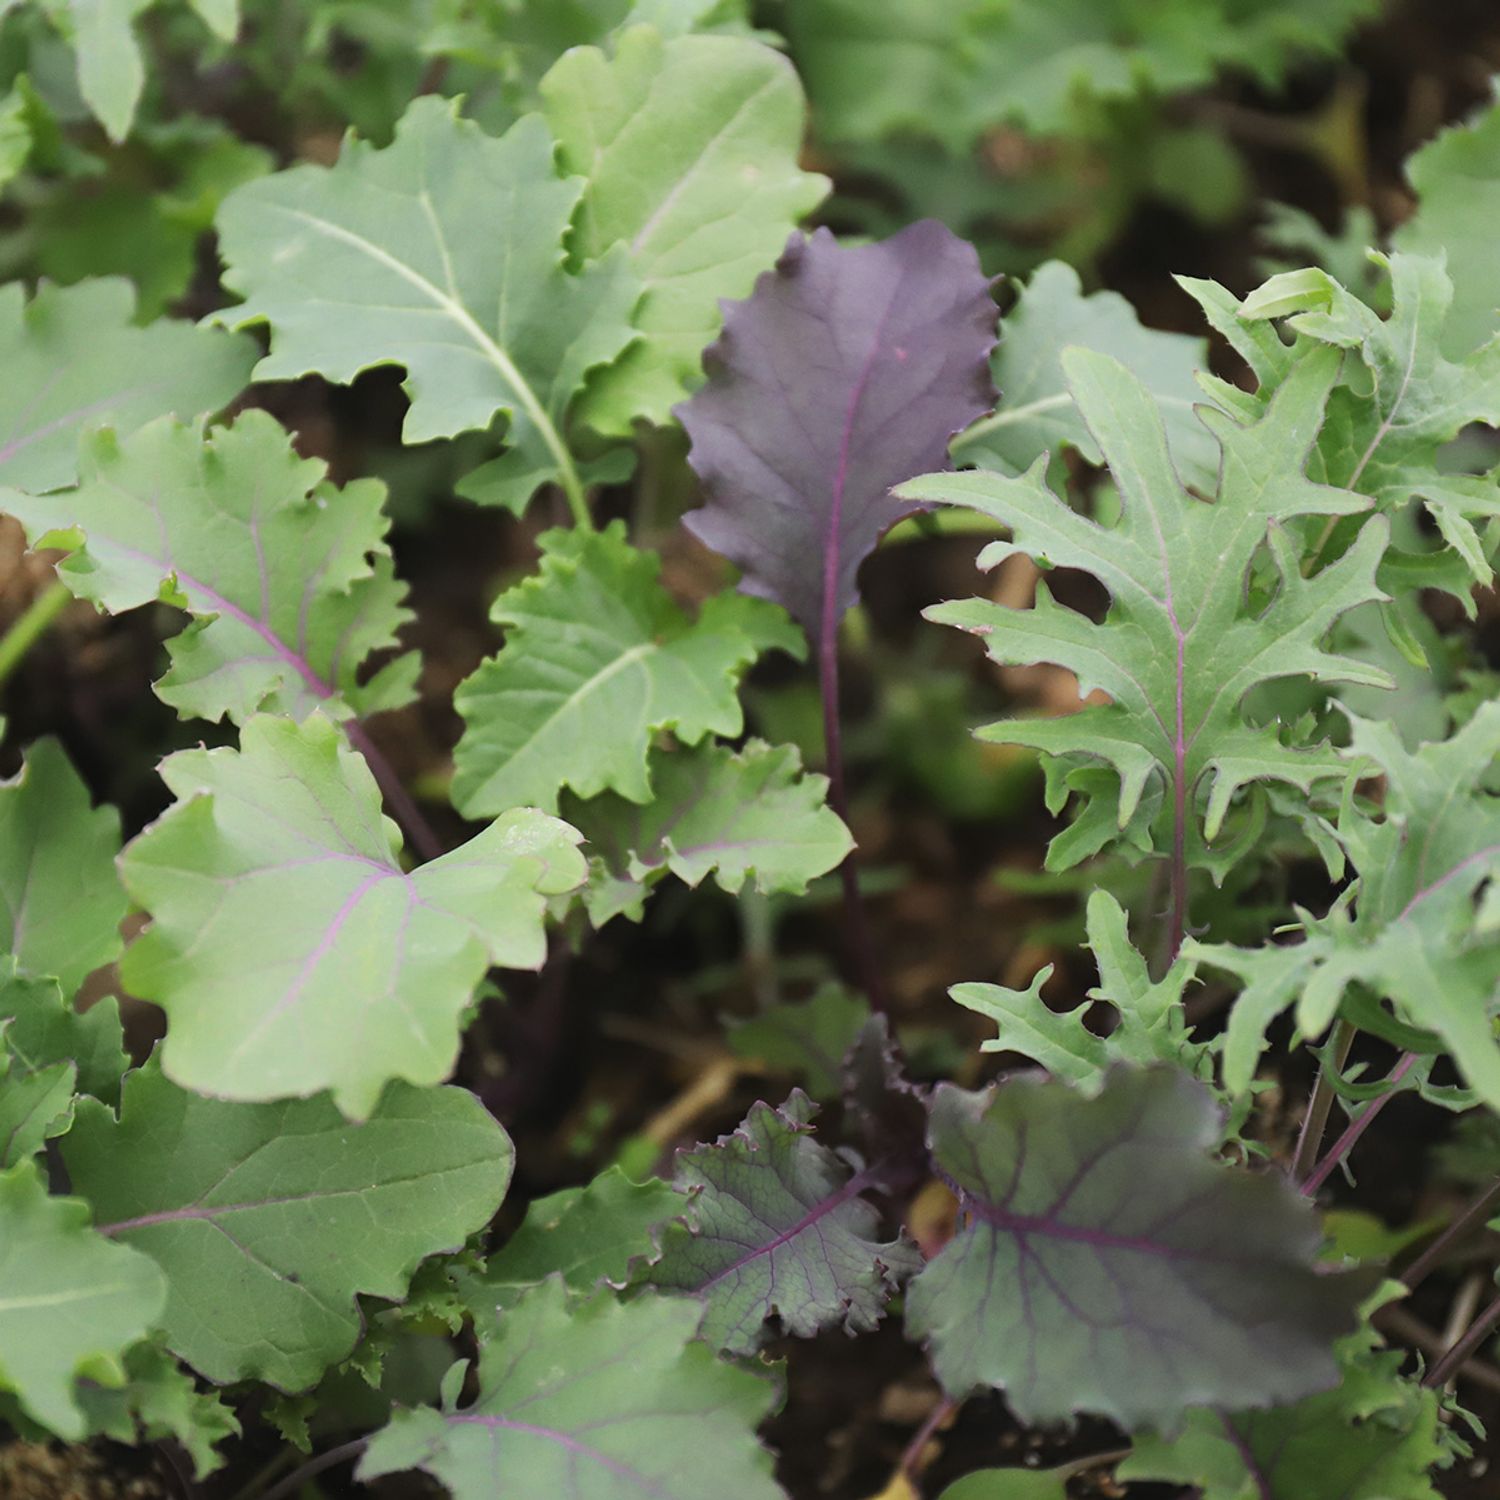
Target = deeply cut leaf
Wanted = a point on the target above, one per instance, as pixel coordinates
(268, 1218)
(1412, 937)
(847, 371)
(1386, 423)
(595, 642)
(1178, 650)
(289, 581)
(61, 902)
(1108, 1265)
(609, 1400)
(1037, 414)
(1377, 1436)
(778, 1229)
(70, 1302)
(1150, 1027)
(73, 359)
(442, 253)
(289, 949)
(738, 816)
(689, 148)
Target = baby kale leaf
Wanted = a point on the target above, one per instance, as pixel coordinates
(777, 1229)
(1180, 646)
(288, 947)
(737, 815)
(1037, 413)
(848, 370)
(689, 150)
(1412, 928)
(615, 1400)
(74, 358)
(289, 581)
(442, 253)
(1107, 1264)
(597, 659)
(268, 1219)
(73, 1302)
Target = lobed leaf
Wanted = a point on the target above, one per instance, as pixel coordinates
(268, 1219)
(777, 1229)
(289, 581)
(71, 1303)
(1376, 1436)
(1457, 182)
(442, 253)
(689, 151)
(41, 1030)
(617, 1401)
(1386, 424)
(846, 371)
(1107, 1264)
(74, 359)
(1413, 936)
(1150, 1026)
(735, 815)
(808, 1040)
(1179, 649)
(61, 903)
(594, 639)
(288, 947)
(1038, 415)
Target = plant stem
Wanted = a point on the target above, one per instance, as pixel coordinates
(1479, 1210)
(856, 927)
(30, 625)
(315, 1465)
(1315, 1122)
(1479, 1330)
(423, 836)
(911, 1459)
(1358, 1125)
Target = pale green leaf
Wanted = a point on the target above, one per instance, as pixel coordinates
(609, 1400)
(61, 902)
(1037, 413)
(287, 946)
(689, 149)
(1413, 936)
(1457, 179)
(598, 658)
(442, 253)
(1385, 425)
(736, 815)
(1179, 649)
(41, 1030)
(71, 1303)
(111, 70)
(161, 1400)
(289, 581)
(268, 1219)
(73, 359)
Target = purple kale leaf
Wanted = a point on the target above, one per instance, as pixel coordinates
(845, 373)
(779, 1229)
(1106, 1263)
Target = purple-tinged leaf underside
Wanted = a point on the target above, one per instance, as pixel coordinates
(778, 1229)
(1106, 1263)
(847, 370)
